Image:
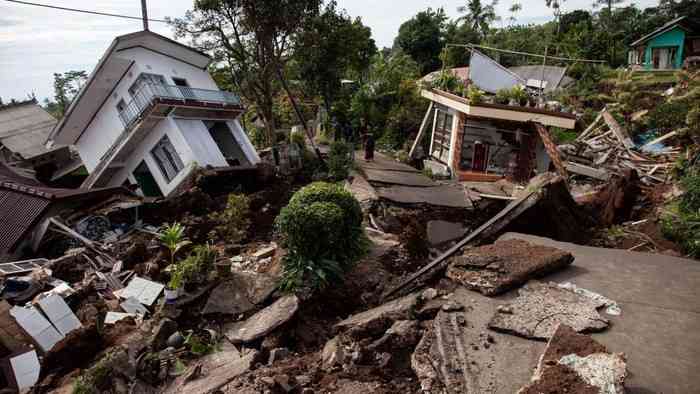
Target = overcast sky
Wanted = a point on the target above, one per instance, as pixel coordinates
(36, 42)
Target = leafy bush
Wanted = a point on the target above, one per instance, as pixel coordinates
(233, 221)
(321, 228)
(668, 116)
(298, 138)
(195, 268)
(502, 96)
(681, 221)
(340, 160)
(474, 95)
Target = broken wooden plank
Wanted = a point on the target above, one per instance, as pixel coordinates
(591, 127)
(551, 149)
(421, 131)
(619, 132)
(590, 172)
(660, 139)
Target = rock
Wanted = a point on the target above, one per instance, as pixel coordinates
(333, 354)
(428, 294)
(402, 334)
(278, 354)
(176, 340)
(303, 380)
(268, 381)
(163, 331)
(240, 293)
(540, 308)
(378, 320)
(452, 306)
(217, 371)
(265, 252)
(495, 269)
(263, 322)
(428, 310)
(284, 383)
(440, 232)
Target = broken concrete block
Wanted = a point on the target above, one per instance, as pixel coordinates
(263, 322)
(540, 308)
(497, 268)
(240, 293)
(377, 320)
(577, 363)
(440, 231)
(440, 359)
(333, 354)
(401, 335)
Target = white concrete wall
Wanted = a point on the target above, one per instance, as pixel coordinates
(243, 141)
(106, 126)
(202, 144)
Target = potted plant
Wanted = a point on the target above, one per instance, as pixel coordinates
(474, 95)
(502, 96)
(174, 287)
(519, 96)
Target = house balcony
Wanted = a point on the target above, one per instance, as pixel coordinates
(149, 105)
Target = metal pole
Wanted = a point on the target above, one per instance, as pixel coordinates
(144, 15)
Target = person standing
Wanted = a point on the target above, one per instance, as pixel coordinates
(369, 147)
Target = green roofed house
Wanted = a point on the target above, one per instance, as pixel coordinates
(667, 47)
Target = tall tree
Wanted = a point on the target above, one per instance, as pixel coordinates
(332, 46)
(65, 86)
(479, 16)
(608, 16)
(423, 37)
(252, 39)
(514, 9)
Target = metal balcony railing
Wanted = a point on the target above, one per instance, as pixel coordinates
(148, 92)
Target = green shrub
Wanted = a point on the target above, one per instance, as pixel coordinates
(474, 95)
(321, 228)
(233, 221)
(339, 160)
(298, 138)
(681, 221)
(502, 96)
(668, 116)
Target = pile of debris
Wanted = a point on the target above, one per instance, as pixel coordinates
(605, 149)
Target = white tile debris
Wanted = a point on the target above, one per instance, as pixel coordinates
(60, 315)
(36, 325)
(26, 369)
(144, 290)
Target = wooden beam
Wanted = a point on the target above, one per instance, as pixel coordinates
(591, 127)
(551, 149)
(618, 131)
(660, 139)
(587, 171)
(421, 131)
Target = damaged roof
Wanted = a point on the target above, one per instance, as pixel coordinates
(24, 127)
(23, 202)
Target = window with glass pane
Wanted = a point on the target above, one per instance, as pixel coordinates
(167, 158)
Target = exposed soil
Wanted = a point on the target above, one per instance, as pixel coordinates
(567, 341)
(557, 379)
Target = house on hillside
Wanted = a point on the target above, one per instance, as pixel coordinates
(24, 128)
(667, 47)
(485, 140)
(149, 114)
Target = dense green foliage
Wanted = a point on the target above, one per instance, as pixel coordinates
(321, 228)
(422, 37)
(234, 220)
(681, 222)
(340, 160)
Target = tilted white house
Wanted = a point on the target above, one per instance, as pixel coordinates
(149, 114)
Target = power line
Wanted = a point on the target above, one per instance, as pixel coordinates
(525, 53)
(84, 11)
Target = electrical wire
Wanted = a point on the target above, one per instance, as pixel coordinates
(85, 11)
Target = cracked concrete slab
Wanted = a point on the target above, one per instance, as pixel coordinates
(495, 269)
(378, 319)
(540, 308)
(451, 196)
(217, 370)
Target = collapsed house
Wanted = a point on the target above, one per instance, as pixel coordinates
(24, 127)
(488, 141)
(149, 114)
(26, 207)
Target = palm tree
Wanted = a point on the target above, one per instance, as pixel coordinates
(479, 16)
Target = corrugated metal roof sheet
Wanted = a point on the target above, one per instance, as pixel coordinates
(553, 75)
(18, 213)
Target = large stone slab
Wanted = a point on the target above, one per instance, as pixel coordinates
(451, 196)
(380, 318)
(217, 370)
(540, 308)
(263, 322)
(497, 268)
(240, 293)
(398, 177)
(440, 231)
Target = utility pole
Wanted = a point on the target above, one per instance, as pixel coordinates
(144, 15)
